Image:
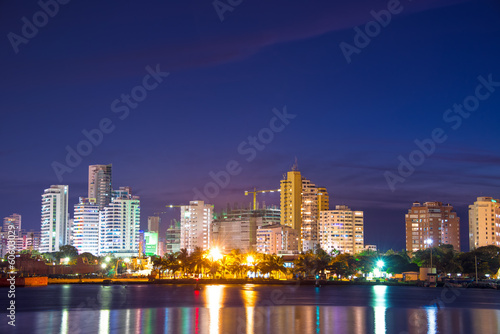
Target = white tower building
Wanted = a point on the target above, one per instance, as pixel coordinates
(55, 218)
(196, 221)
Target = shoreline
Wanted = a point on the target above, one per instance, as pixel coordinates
(192, 281)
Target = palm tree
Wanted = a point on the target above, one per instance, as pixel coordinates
(321, 260)
(171, 263)
(236, 263)
(197, 261)
(304, 264)
(157, 265)
(183, 259)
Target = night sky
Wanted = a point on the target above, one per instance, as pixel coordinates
(351, 120)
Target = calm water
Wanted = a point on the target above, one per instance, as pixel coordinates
(249, 308)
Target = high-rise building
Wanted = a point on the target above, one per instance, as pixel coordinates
(431, 224)
(236, 228)
(100, 186)
(119, 226)
(154, 224)
(173, 238)
(85, 227)
(291, 200)
(13, 220)
(301, 203)
(55, 218)
(314, 200)
(341, 229)
(277, 239)
(484, 222)
(196, 221)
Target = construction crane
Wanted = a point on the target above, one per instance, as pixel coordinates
(167, 206)
(255, 192)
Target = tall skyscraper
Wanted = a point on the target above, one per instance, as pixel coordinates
(484, 222)
(196, 221)
(100, 186)
(55, 218)
(301, 203)
(291, 200)
(314, 200)
(85, 227)
(154, 224)
(119, 226)
(431, 224)
(342, 229)
(14, 220)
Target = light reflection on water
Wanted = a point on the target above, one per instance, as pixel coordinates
(379, 308)
(211, 314)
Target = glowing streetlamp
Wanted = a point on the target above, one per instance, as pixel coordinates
(103, 265)
(380, 264)
(250, 260)
(66, 260)
(108, 259)
(214, 254)
(429, 242)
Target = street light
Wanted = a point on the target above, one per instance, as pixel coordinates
(380, 264)
(215, 254)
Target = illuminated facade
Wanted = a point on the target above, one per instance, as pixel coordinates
(151, 243)
(55, 218)
(236, 228)
(341, 229)
(119, 226)
(277, 239)
(314, 200)
(85, 226)
(196, 221)
(99, 185)
(291, 200)
(301, 202)
(431, 224)
(484, 222)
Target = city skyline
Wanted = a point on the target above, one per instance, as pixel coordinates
(213, 86)
(305, 186)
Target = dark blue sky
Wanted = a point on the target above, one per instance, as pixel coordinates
(353, 120)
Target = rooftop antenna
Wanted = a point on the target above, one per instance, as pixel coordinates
(295, 166)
